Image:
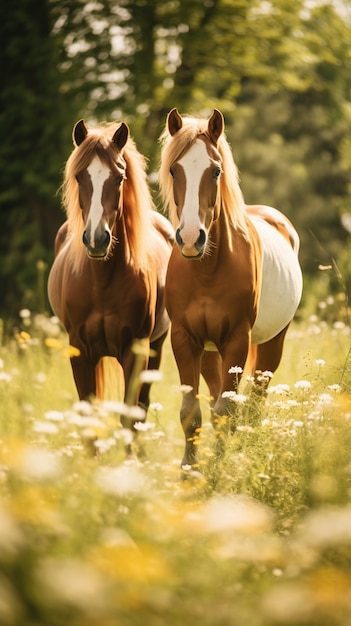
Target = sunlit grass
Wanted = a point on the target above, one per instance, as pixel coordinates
(261, 538)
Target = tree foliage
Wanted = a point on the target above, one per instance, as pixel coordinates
(279, 71)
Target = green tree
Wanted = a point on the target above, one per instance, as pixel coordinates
(266, 65)
(291, 140)
(32, 147)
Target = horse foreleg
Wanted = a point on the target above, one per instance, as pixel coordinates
(154, 364)
(83, 369)
(211, 370)
(135, 360)
(188, 359)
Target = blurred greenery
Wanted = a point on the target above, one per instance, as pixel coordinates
(279, 71)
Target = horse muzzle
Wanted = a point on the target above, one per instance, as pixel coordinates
(97, 246)
(194, 250)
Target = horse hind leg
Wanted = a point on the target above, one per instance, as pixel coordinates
(267, 359)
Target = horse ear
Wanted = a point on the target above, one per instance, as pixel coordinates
(215, 125)
(174, 121)
(80, 132)
(121, 136)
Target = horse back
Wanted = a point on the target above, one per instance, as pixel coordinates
(277, 220)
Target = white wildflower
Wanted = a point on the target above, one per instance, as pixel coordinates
(290, 403)
(325, 398)
(336, 388)
(245, 429)
(150, 376)
(103, 445)
(279, 389)
(112, 406)
(136, 413)
(239, 398)
(233, 514)
(38, 464)
(71, 582)
(155, 406)
(85, 421)
(54, 416)
(5, 377)
(144, 426)
(263, 375)
(125, 480)
(329, 527)
(320, 362)
(45, 428)
(125, 434)
(83, 407)
(183, 388)
(303, 385)
(236, 369)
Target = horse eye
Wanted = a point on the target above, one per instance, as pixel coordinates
(171, 171)
(77, 179)
(217, 172)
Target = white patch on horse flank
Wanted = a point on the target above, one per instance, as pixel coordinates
(99, 173)
(194, 163)
(281, 283)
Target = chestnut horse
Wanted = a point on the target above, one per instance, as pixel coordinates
(107, 281)
(234, 281)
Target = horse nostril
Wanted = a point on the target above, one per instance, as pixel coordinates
(85, 238)
(201, 240)
(179, 240)
(107, 238)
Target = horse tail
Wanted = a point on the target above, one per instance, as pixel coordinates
(108, 379)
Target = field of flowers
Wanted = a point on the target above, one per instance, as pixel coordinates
(262, 538)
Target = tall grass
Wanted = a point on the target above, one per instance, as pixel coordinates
(262, 538)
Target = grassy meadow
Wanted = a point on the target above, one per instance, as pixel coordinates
(262, 538)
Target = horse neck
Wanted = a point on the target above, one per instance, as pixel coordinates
(102, 270)
(221, 237)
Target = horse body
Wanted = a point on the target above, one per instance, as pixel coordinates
(109, 292)
(233, 281)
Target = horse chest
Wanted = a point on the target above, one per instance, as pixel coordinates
(208, 297)
(206, 321)
(105, 320)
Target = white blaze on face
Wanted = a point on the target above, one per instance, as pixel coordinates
(99, 173)
(194, 163)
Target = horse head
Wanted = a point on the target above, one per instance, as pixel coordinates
(100, 182)
(196, 174)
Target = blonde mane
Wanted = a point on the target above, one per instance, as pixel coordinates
(230, 199)
(137, 201)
